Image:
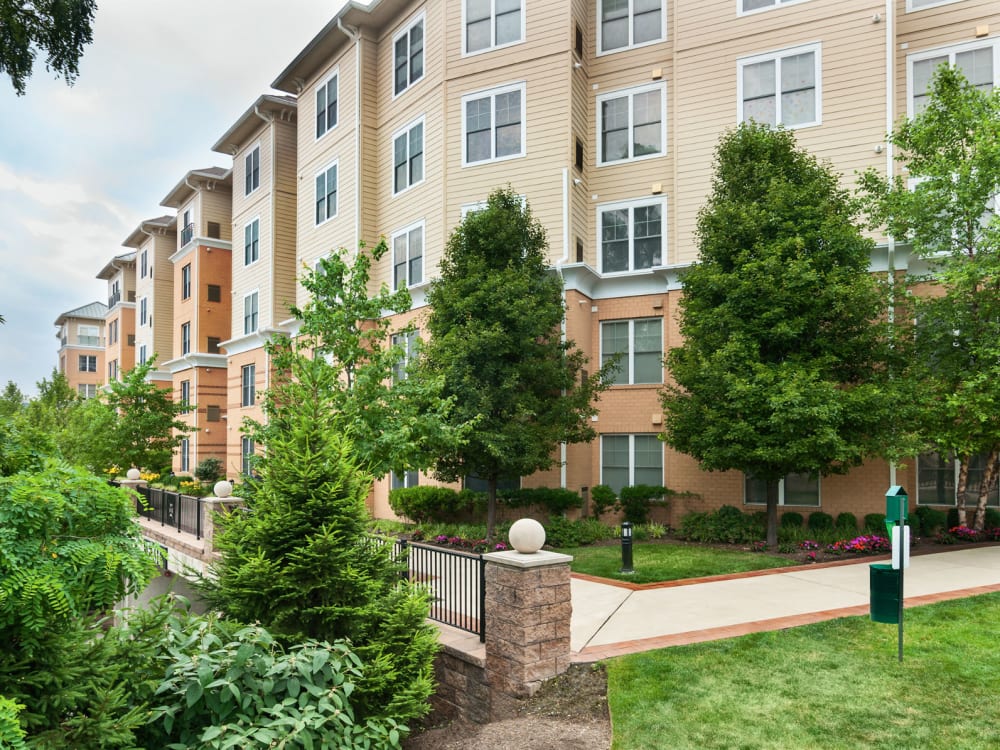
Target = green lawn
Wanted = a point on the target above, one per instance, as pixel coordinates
(836, 684)
(667, 562)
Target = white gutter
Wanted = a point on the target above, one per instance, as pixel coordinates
(562, 325)
(355, 35)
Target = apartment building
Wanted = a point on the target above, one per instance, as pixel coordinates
(263, 145)
(119, 324)
(201, 304)
(605, 116)
(153, 242)
(81, 347)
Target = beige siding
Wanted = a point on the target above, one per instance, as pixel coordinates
(285, 269)
(216, 205)
(162, 301)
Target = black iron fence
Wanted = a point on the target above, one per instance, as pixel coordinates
(182, 512)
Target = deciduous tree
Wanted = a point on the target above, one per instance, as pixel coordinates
(59, 29)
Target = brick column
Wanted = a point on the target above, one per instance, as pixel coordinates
(528, 611)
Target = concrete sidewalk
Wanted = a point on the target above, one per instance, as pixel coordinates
(611, 619)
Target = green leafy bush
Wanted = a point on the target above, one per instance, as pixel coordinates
(603, 499)
(875, 523)
(11, 734)
(791, 519)
(553, 500)
(209, 469)
(635, 501)
(427, 503)
(992, 519)
(561, 532)
(819, 521)
(931, 520)
(726, 525)
(846, 522)
(953, 517)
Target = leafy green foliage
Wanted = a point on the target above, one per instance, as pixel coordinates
(874, 523)
(846, 522)
(561, 532)
(603, 499)
(945, 207)
(494, 325)
(60, 29)
(635, 501)
(819, 521)
(425, 503)
(209, 469)
(791, 520)
(11, 734)
(11, 400)
(553, 500)
(727, 525)
(795, 379)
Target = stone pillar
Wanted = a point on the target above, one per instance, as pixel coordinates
(528, 612)
(222, 502)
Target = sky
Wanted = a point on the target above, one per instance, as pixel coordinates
(81, 166)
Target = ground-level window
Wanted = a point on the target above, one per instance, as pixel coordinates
(937, 480)
(478, 484)
(794, 489)
(405, 479)
(627, 460)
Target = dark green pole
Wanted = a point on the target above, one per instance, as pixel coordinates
(902, 541)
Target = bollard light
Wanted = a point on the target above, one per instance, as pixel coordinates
(627, 547)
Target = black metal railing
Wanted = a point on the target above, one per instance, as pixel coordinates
(114, 299)
(181, 512)
(187, 233)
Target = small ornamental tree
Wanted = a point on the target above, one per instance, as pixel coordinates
(783, 364)
(946, 208)
(494, 341)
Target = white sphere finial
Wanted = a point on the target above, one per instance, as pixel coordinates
(526, 536)
(223, 488)
(132, 474)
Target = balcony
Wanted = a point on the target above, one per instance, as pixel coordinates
(114, 299)
(187, 234)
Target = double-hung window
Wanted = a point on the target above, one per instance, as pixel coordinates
(937, 480)
(185, 338)
(185, 451)
(326, 194)
(408, 256)
(142, 354)
(407, 342)
(186, 281)
(247, 450)
(250, 312)
(630, 23)
(88, 363)
(326, 105)
(87, 390)
(793, 489)
(143, 264)
(408, 157)
(251, 177)
(251, 242)
(628, 460)
(638, 347)
(749, 6)
(87, 335)
(248, 375)
(493, 126)
(781, 87)
(633, 235)
(186, 395)
(143, 310)
(632, 124)
(979, 62)
(492, 23)
(408, 56)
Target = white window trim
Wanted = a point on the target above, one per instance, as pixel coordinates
(247, 296)
(493, 93)
(405, 31)
(405, 130)
(600, 29)
(777, 4)
(951, 50)
(911, 9)
(630, 204)
(493, 29)
(781, 495)
(631, 454)
(247, 154)
(816, 48)
(421, 225)
(629, 356)
(471, 208)
(335, 73)
(327, 168)
(250, 223)
(630, 92)
(253, 382)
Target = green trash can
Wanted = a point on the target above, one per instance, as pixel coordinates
(884, 583)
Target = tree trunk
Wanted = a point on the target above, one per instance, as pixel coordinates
(772, 513)
(963, 482)
(989, 480)
(491, 509)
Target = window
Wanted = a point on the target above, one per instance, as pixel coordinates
(632, 124)
(88, 363)
(248, 378)
(578, 161)
(250, 311)
(781, 87)
(113, 332)
(251, 242)
(408, 257)
(88, 335)
(130, 340)
(408, 56)
(326, 194)
(326, 106)
(632, 235)
(794, 489)
(406, 479)
(493, 124)
(212, 344)
(492, 23)
(979, 62)
(408, 343)
(187, 231)
(251, 166)
(628, 460)
(185, 338)
(748, 6)
(937, 480)
(408, 157)
(912, 5)
(143, 264)
(213, 293)
(213, 413)
(185, 451)
(143, 310)
(186, 281)
(247, 450)
(186, 395)
(142, 354)
(86, 390)
(639, 345)
(113, 370)
(630, 23)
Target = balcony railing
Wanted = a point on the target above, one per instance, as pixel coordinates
(114, 299)
(88, 341)
(187, 234)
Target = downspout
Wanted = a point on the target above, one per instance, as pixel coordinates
(355, 35)
(562, 325)
(890, 89)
